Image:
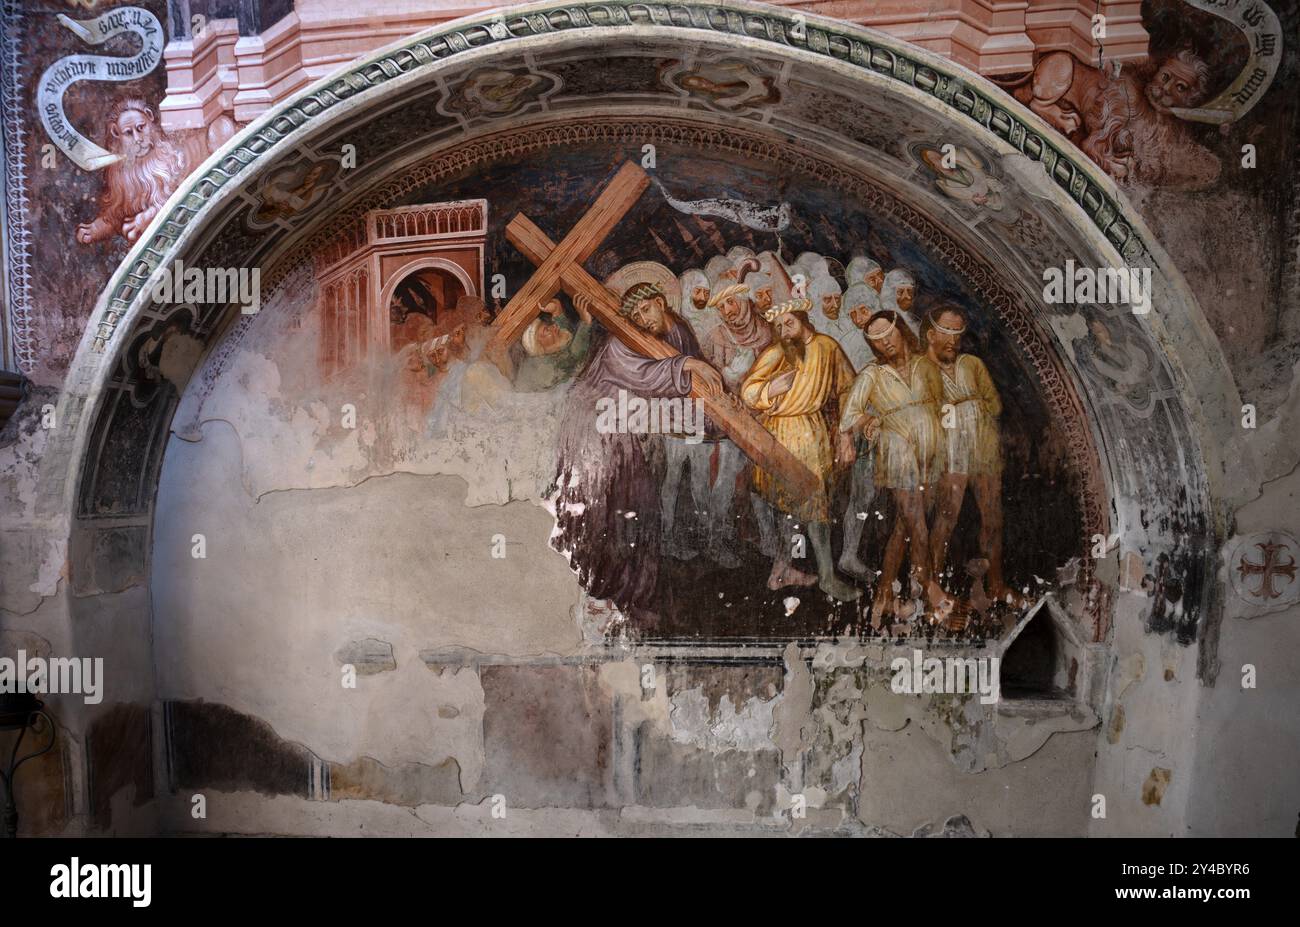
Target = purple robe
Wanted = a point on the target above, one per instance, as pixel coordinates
(601, 478)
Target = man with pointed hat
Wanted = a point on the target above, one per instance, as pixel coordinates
(733, 345)
(863, 269)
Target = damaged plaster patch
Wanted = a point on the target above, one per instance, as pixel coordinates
(1268, 451)
(1128, 670)
(409, 784)
(33, 557)
(53, 568)
(369, 656)
(833, 764)
(1153, 790)
(13, 640)
(1116, 727)
(292, 427)
(790, 729)
(748, 728)
(22, 457)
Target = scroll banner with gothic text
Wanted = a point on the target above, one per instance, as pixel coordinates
(1264, 33)
(67, 71)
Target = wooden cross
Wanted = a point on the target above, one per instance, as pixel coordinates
(560, 267)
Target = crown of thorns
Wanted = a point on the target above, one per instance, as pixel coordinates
(638, 293)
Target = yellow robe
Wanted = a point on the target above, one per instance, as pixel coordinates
(909, 450)
(974, 446)
(796, 418)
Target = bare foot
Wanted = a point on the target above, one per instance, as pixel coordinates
(783, 575)
(854, 567)
(940, 601)
(837, 588)
(979, 598)
(943, 610)
(883, 605)
(795, 577)
(957, 620)
(904, 609)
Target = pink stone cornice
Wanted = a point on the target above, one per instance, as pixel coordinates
(220, 73)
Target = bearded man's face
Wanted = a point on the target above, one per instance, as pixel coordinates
(945, 347)
(651, 315)
(790, 329)
(1174, 84)
(700, 296)
(551, 337)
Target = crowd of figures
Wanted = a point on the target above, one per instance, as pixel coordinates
(870, 395)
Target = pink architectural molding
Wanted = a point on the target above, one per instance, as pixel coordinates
(220, 76)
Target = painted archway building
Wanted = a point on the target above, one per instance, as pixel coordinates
(308, 438)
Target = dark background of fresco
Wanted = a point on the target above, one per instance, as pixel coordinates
(555, 187)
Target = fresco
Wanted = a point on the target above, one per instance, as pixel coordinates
(556, 352)
(756, 411)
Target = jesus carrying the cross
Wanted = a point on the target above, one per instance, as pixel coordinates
(651, 353)
(607, 502)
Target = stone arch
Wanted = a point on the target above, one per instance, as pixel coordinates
(1124, 402)
(426, 263)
